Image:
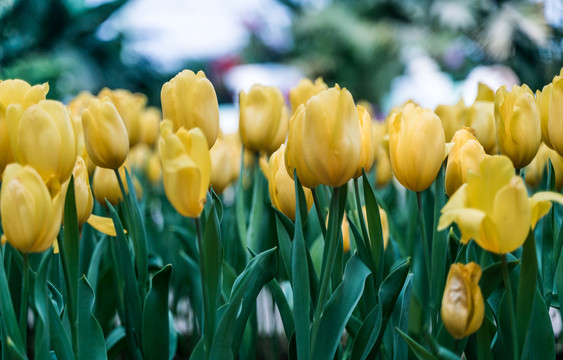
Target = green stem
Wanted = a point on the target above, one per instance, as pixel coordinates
(360, 210)
(425, 243)
(207, 337)
(120, 181)
(71, 301)
(24, 299)
(319, 212)
(509, 299)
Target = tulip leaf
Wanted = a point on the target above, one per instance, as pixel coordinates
(491, 277)
(401, 318)
(375, 231)
(286, 313)
(115, 342)
(540, 341)
(94, 267)
(40, 302)
(91, 342)
(256, 211)
(60, 343)
(559, 279)
(8, 314)
(420, 351)
(284, 244)
(155, 317)
(367, 334)
(339, 308)
(439, 246)
(483, 339)
(527, 282)
(257, 273)
(194, 282)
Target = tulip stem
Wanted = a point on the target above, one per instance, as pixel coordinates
(425, 243)
(24, 299)
(360, 210)
(120, 181)
(206, 304)
(319, 212)
(512, 316)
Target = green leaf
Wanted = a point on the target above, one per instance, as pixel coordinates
(439, 246)
(374, 229)
(8, 313)
(559, 279)
(195, 294)
(526, 284)
(61, 343)
(286, 313)
(402, 312)
(94, 267)
(41, 305)
(491, 277)
(173, 343)
(257, 273)
(420, 351)
(91, 342)
(367, 335)
(256, 211)
(284, 244)
(338, 309)
(155, 317)
(115, 341)
(540, 341)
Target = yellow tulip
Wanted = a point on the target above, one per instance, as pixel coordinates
(416, 146)
(189, 101)
(149, 123)
(105, 134)
(186, 168)
(139, 156)
(493, 207)
(263, 118)
(15, 92)
(463, 307)
(82, 192)
(221, 165)
(106, 186)
(301, 93)
(555, 121)
(453, 118)
(154, 169)
(465, 155)
(482, 122)
(43, 136)
(282, 186)
(31, 216)
(383, 171)
(80, 102)
(518, 124)
(535, 171)
(543, 98)
(326, 142)
(367, 141)
(484, 93)
(130, 107)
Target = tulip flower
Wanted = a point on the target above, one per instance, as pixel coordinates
(535, 170)
(82, 191)
(465, 155)
(301, 93)
(43, 136)
(130, 107)
(463, 307)
(366, 153)
(186, 168)
(282, 186)
(453, 118)
(106, 186)
(493, 207)
(555, 121)
(263, 118)
(105, 134)
(154, 169)
(149, 123)
(80, 102)
(31, 216)
(221, 165)
(482, 122)
(518, 124)
(189, 101)
(416, 146)
(324, 143)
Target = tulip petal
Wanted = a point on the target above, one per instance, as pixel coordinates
(494, 173)
(540, 203)
(102, 224)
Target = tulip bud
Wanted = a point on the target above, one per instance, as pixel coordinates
(31, 217)
(154, 169)
(535, 170)
(331, 153)
(463, 307)
(43, 136)
(518, 124)
(82, 191)
(383, 171)
(106, 186)
(263, 118)
(221, 165)
(453, 118)
(139, 156)
(282, 187)
(80, 102)
(149, 123)
(186, 168)
(105, 134)
(301, 93)
(482, 122)
(189, 101)
(555, 121)
(466, 154)
(130, 106)
(367, 141)
(416, 146)
(543, 98)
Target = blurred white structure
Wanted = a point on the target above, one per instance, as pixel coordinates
(493, 76)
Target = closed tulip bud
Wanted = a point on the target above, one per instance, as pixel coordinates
(82, 192)
(345, 228)
(105, 134)
(416, 146)
(463, 307)
(31, 216)
(535, 171)
(189, 101)
(518, 124)
(139, 156)
(106, 186)
(43, 136)
(301, 93)
(493, 207)
(149, 122)
(282, 187)
(366, 152)
(543, 98)
(482, 122)
(453, 118)
(327, 136)
(154, 169)
(263, 118)
(221, 163)
(465, 155)
(186, 168)
(130, 107)
(80, 102)
(555, 121)
(383, 171)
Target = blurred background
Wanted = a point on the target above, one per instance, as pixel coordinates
(385, 52)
